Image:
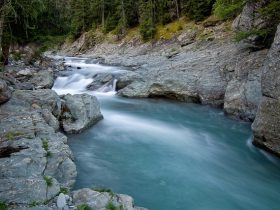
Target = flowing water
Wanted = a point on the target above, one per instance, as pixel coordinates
(170, 155)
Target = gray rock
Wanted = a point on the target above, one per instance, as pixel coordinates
(266, 127)
(186, 38)
(38, 99)
(31, 148)
(61, 201)
(243, 92)
(250, 19)
(26, 190)
(5, 92)
(80, 112)
(100, 80)
(99, 201)
(25, 72)
(42, 80)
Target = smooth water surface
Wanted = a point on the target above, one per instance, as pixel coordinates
(174, 156)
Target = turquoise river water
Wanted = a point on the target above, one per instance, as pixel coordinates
(170, 155)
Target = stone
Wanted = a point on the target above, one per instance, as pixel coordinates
(5, 92)
(243, 92)
(45, 99)
(27, 122)
(61, 201)
(25, 72)
(42, 80)
(99, 200)
(266, 126)
(79, 112)
(250, 19)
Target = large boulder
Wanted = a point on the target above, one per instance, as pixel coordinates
(103, 200)
(35, 160)
(5, 92)
(42, 79)
(267, 124)
(79, 112)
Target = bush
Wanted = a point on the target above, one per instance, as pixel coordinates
(199, 9)
(147, 29)
(83, 207)
(226, 9)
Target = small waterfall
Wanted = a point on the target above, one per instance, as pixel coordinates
(109, 87)
(72, 84)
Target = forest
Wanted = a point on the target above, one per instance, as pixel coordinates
(23, 21)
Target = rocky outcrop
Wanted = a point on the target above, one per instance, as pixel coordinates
(250, 17)
(243, 92)
(5, 92)
(251, 20)
(42, 80)
(35, 159)
(103, 200)
(79, 112)
(266, 127)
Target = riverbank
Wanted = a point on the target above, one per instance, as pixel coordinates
(36, 163)
(210, 69)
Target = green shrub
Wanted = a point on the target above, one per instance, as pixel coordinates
(147, 29)
(3, 206)
(34, 203)
(48, 180)
(199, 9)
(45, 145)
(64, 190)
(111, 206)
(12, 135)
(83, 207)
(228, 9)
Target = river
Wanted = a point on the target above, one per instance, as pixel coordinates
(169, 155)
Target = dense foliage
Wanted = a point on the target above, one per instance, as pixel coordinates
(42, 20)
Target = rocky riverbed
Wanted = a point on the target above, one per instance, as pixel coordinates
(36, 164)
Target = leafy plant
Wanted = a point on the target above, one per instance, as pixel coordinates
(83, 207)
(48, 180)
(227, 9)
(12, 135)
(111, 206)
(3, 206)
(64, 190)
(34, 203)
(45, 145)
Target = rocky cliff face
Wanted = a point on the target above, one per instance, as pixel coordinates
(266, 127)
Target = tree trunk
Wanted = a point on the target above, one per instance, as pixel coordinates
(124, 22)
(2, 19)
(177, 8)
(5, 54)
(103, 14)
